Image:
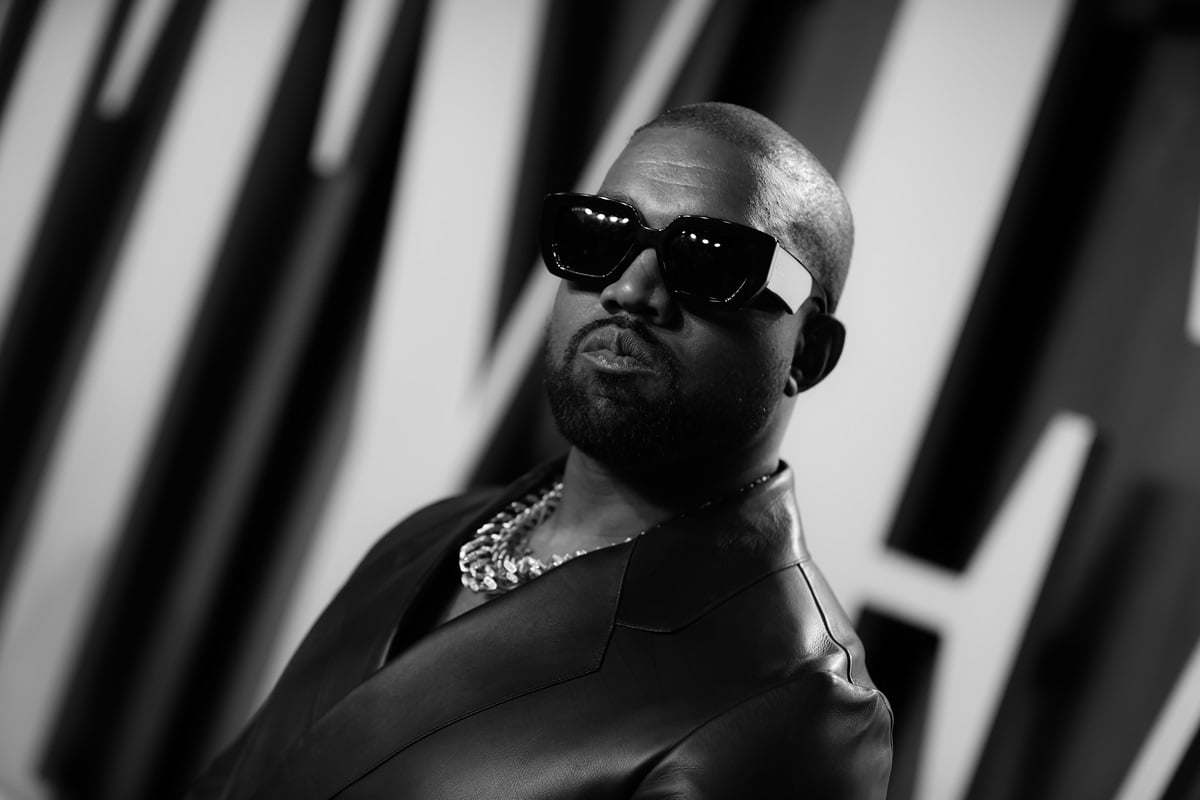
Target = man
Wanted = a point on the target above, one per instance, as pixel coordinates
(640, 619)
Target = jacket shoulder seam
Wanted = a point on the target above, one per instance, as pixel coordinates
(849, 676)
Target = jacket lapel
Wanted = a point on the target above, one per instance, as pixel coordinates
(347, 644)
(690, 564)
(551, 630)
(388, 585)
(363, 641)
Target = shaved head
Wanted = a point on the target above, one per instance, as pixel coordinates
(808, 212)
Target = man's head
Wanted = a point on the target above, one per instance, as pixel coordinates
(806, 209)
(638, 377)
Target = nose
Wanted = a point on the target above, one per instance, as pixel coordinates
(640, 290)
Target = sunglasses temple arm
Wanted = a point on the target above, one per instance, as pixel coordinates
(789, 278)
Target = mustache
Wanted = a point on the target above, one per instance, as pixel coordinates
(641, 330)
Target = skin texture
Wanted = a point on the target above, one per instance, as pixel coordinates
(725, 380)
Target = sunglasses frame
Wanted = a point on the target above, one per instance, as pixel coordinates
(775, 270)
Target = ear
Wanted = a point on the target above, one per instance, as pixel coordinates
(818, 349)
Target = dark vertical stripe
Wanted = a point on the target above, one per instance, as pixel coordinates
(908, 684)
(310, 433)
(14, 38)
(111, 683)
(72, 258)
(245, 452)
(1185, 784)
(829, 62)
(714, 68)
(806, 65)
(953, 488)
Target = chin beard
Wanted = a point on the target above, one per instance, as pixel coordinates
(615, 419)
(612, 421)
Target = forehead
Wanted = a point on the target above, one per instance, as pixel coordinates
(668, 172)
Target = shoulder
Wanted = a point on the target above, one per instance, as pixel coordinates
(815, 735)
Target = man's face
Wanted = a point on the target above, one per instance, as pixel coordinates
(635, 378)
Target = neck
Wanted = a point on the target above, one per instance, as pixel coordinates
(603, 505)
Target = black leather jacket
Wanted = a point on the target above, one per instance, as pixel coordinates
(707, 659)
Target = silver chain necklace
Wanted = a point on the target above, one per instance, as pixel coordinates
(489, 561)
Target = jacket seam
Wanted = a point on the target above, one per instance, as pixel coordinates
(829, 630)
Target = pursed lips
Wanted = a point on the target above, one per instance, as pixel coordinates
(618, 351)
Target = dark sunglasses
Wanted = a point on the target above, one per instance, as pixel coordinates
(591, 239)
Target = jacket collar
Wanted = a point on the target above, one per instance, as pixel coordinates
(688, 565)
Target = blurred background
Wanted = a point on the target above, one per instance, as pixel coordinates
(269, 282)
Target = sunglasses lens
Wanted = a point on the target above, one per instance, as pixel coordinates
(709, 263)
(590, 239)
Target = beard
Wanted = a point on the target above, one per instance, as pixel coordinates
(624, 422)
